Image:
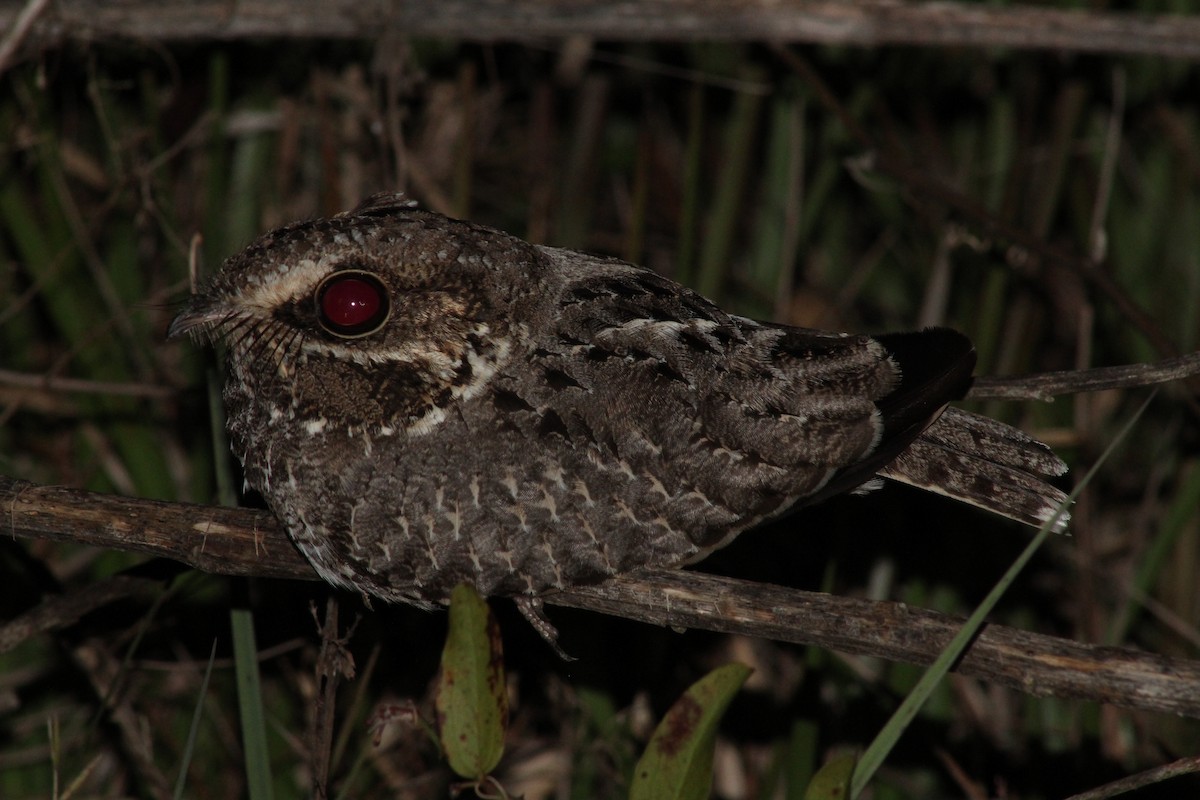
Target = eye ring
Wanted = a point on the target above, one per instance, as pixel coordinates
(351, 304)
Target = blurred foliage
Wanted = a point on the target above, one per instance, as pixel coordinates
(723, 165)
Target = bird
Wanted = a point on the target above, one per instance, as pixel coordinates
(424, 401)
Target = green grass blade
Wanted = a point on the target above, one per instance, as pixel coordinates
(721, 220)
(879, 749)
(801, 753)
(250, 705)
(189, 747)
(1157, 555)
(692, 189)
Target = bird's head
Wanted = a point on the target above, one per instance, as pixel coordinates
(377, 317)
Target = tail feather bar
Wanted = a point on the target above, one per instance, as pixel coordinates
(986, 464)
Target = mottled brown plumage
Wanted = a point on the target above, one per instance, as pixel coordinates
(424, 401)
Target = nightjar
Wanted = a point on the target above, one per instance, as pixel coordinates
(424, 401)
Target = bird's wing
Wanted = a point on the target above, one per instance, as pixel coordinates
(756, 418)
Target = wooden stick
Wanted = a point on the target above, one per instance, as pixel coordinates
(1048, 385)
(865, 23)
(250, 543)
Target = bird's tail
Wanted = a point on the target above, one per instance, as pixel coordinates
(984, 463)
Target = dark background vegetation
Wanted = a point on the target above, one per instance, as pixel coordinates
(723, 166)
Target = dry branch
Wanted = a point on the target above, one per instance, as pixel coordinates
(1048, 385)
(244, 542)
(869, 23)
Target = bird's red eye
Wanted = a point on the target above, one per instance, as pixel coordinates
(352, 304)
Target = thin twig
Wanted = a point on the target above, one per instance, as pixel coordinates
(331, 665)
(20, 29)
(56, 384)
(1184, 766)
(1047, 385)
(55, 613)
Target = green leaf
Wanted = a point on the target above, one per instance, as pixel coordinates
(471, 701)
(832, 781)
(678, 760)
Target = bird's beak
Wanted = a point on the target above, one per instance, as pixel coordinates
(198, 319)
